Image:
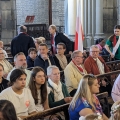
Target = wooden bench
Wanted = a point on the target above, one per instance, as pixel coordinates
(114, 65)
(48, 112)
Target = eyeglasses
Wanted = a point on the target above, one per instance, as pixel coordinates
(80, 56)
(59, 48)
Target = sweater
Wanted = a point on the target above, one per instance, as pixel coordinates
(52, 102)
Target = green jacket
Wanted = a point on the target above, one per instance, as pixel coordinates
(52, 102)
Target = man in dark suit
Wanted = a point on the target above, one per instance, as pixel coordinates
(43, 59)
(22, 42)
(57, 37)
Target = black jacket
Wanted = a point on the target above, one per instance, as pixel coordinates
(60, 37)
(21, 43)
(43, 64)
(30, 62)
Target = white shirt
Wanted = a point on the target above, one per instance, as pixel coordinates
(23, 103)
(28, 72)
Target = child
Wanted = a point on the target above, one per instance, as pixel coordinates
(32, 53)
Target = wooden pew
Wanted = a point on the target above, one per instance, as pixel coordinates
(114, 65)
(51, 111)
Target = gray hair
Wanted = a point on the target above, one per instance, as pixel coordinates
(75, 53)
(50, 68)
(94, 46)
(20, 53)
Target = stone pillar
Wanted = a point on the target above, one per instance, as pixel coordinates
(99, 19)
(89, 27)
(8, 18)
(118, 12)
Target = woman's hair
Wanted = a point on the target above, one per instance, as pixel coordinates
(40, 40)
(117, 27)
(15, 74)
(33, 88)
(7, 109)
(115, 111)
(1, 66)
(84, 91)
(99, 40)
(93, 117)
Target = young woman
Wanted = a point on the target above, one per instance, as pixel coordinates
(19, 95)
(3, 82)
(84, 101)
(38, 88)
(115, 111)
(7, 110)
(112, 44)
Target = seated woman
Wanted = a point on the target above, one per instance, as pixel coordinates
(58, 94)
(60, 59)
(7, 66)
(19, 95)
(38, 88)
(85, 101)
(3, 82)
(7, 110)
(115, 111)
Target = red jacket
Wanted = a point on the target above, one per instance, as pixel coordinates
(91, 66)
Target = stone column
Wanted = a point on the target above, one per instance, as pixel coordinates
(118, 12)
(8, 18)
(89, 27)
(99, 19)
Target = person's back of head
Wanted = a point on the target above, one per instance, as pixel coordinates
(22, 28)
(7, 110)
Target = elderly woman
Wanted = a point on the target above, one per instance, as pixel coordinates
(7, 66)
(85, 101)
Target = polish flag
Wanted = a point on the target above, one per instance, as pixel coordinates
(79, 31)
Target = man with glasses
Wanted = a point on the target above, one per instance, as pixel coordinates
(74, 71)
(95, 65)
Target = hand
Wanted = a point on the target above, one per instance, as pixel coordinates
(68, 99)
(112, 56)
(70, 52)
(44, 56)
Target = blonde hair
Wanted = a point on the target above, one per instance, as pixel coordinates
(93, 117)
(53, 27)
(40, 40)
(83, 91)
(115, 111)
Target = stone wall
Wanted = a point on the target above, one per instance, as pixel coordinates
(7, 20)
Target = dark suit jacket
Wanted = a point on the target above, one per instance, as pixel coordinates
(30, 62)
(43, 64)
(21, 43)
(91, 66)
(60, 37)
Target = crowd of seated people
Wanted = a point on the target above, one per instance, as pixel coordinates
(34, 91)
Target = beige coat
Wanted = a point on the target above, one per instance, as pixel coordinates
(72, 76)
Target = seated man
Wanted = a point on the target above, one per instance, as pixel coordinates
(116, 90)
(32, 53)
(21, 63)
(74, 71)
(58, 94)
(95, 65)
(44, 60)
(60, 59)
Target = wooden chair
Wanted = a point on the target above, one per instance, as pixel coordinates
(48, 112)
(103, 98)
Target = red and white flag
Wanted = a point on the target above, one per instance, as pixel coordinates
(79, 31)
